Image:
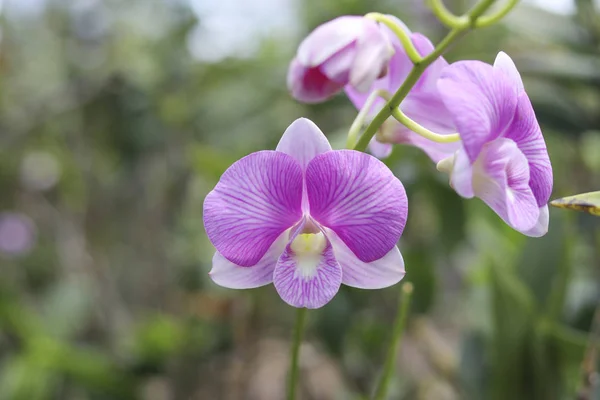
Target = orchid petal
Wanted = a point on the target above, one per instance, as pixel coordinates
(373, 53)
(526, 132)
(227, 274)
(461, 178)
(359, 198)
(380, 150)
(327, 39)
(310, 85)
(256, 199)
(482, 101)
(378, 274)
(307, 280)
(303, 140)
(505, 64)
(502, 182)
(541, 226)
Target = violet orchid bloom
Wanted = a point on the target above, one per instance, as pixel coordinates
(423, 104)
(503, 159)
(349, 50)
(307, 218)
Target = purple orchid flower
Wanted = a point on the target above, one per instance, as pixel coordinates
(423, 104)
(348, 50)
(503, 159)
(307, 218)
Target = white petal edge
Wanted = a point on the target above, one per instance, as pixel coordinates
(227, 274)
(541, 227)
(378, 274)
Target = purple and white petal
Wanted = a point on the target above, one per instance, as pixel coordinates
(359, 198)
(501, 180)
(461, 178)
(307, 277)
(327, 39)
(526, 132)
(303, 140)
(227, 274)
(541, 226)
(482, 101)
(310, 85)
(373, 53)
(255, 201)
(505, 64)
(378, 274)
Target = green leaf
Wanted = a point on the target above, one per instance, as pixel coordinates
(586, 202)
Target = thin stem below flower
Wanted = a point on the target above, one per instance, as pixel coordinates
(399, 31)
(296, 341)
(399, 325)
(422, 131)
(362, 115)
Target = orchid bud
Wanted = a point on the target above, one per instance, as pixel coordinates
(349, 50)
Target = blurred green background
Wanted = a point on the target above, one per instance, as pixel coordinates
(117, 117)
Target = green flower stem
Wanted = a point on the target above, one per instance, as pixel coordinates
(399, 31)
(294, 365)
(399, 324)
(488, 20)
(417, 71)
(445, 16)
(421, 130)
(362, 115)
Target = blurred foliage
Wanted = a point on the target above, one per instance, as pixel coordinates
(115, 124)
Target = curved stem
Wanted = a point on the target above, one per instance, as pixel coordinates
(362, 115)
(492, 19)
(294, 365)
(408, 83)
(445, 16)
(404, 37)
(417, 71)
(422, 131)
(399, 324)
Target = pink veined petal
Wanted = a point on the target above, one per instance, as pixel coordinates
(378, 274)
(482, 101)
(541, 226)
(359, 198)
(329, 38)
(373, 52)
(256, 199)
(309, 281)
(310, 85)
(505, 64)
(303, 140)
(227, 274)
(526, 132)
(501, 180)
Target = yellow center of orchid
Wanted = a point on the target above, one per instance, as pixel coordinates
(307, 248)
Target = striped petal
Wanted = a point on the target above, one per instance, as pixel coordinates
(501, 180)
(255, 201)
(227, 274)
(526, 132)
(307, 273)
(359, 198)
(378, 274)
